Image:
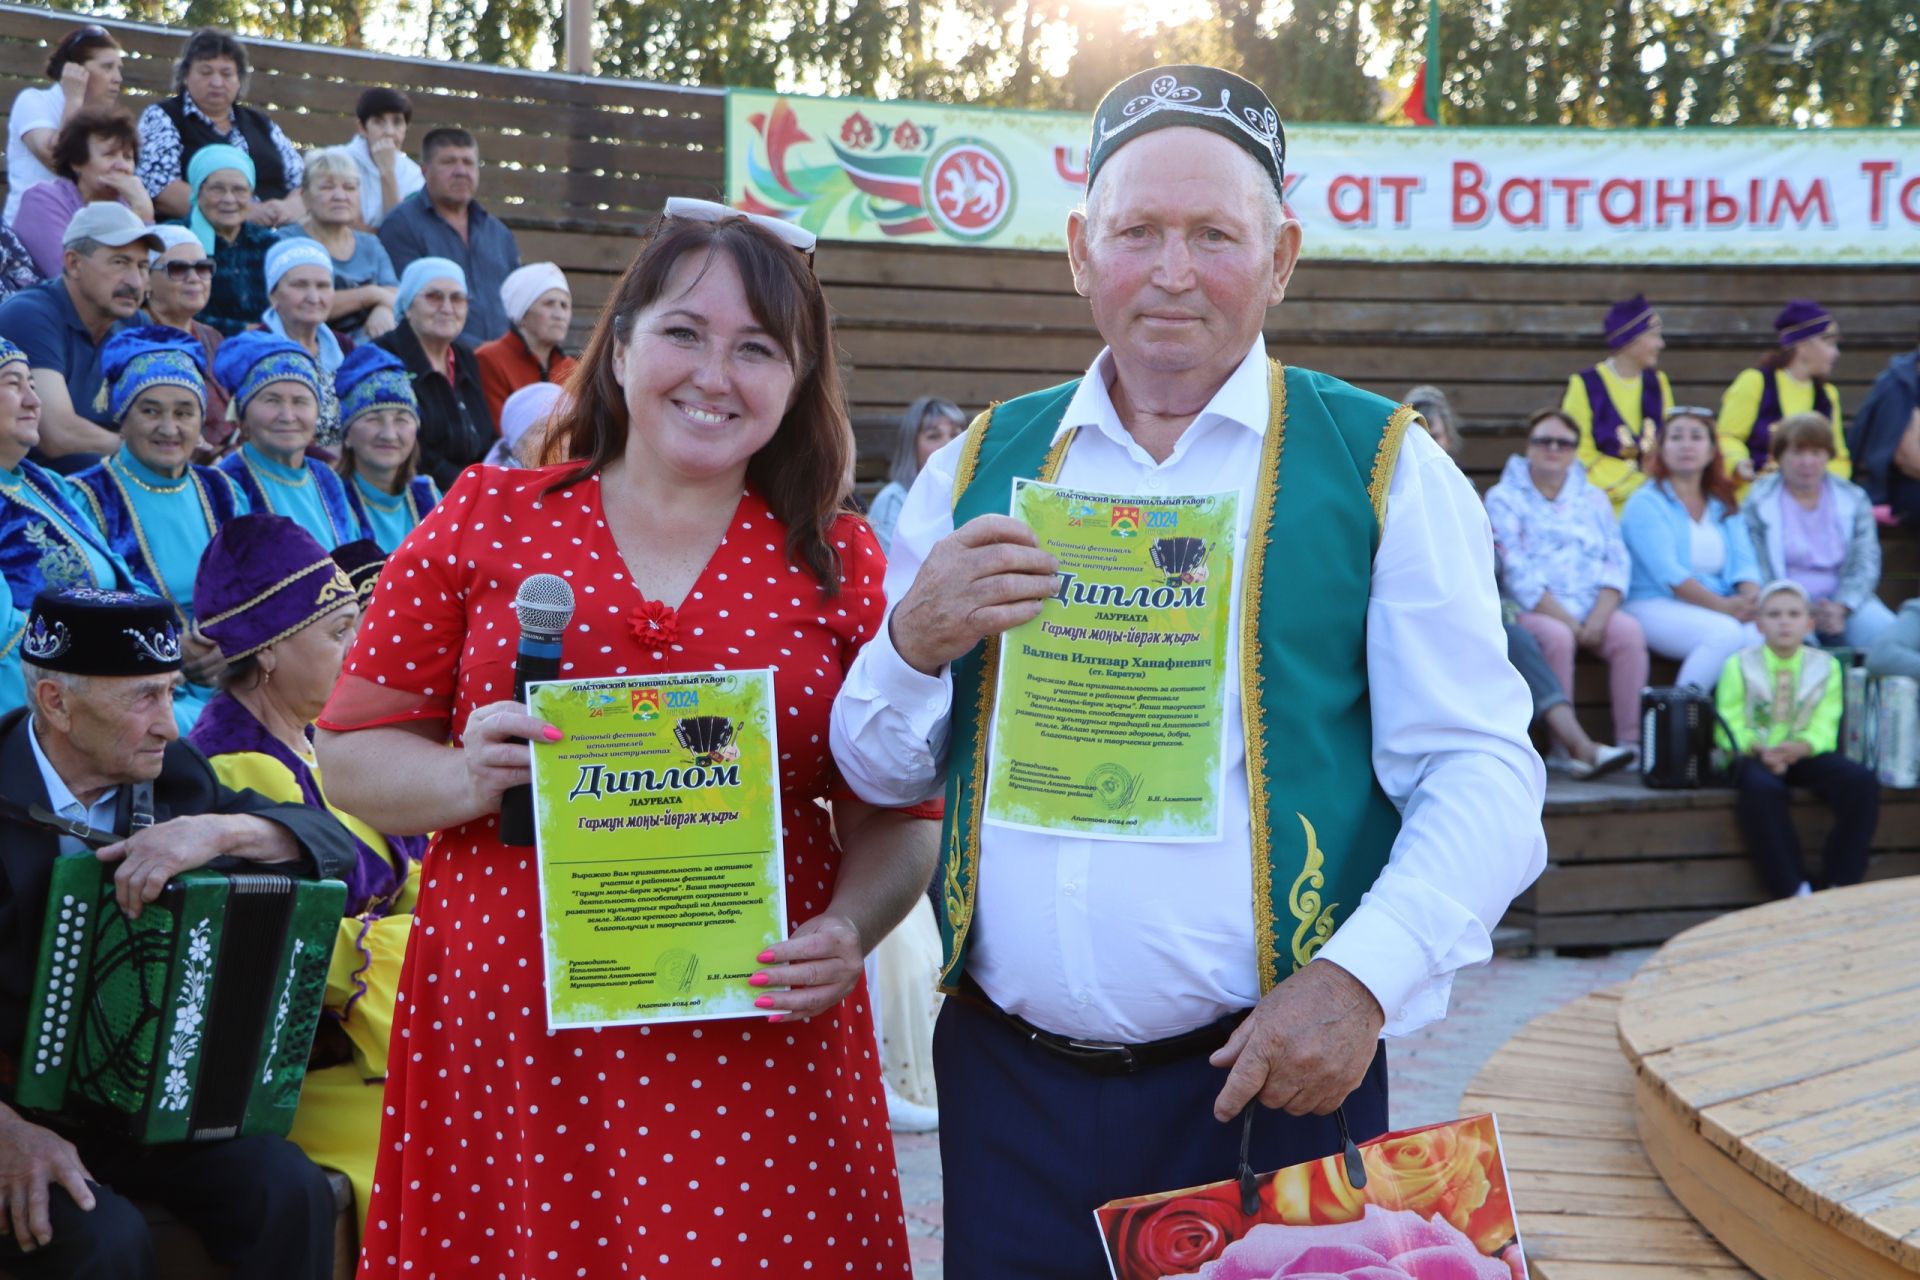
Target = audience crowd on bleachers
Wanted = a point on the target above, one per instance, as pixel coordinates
(203, 326)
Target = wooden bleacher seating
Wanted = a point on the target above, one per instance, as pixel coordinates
(1589, 1204)
(1776, 1055)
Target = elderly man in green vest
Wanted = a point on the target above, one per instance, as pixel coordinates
(1117, 1006)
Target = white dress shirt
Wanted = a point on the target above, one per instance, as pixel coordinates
(100, 815)
(1136, 940)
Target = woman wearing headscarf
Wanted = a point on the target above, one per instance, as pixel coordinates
(1791, 378)
(539, 312)
(380, 453)
(157, 509)
(1617, 406)
(285, 612)
(523, 423)
(456, 428)
(273, 391)
(47, 534)
(300, 295)
(221, 182)
(928, 423)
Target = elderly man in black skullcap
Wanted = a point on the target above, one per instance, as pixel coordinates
(96, 751)
(1123, 1009)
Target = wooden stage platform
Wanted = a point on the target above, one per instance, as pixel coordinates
(1629, 866)
(1776, 1055)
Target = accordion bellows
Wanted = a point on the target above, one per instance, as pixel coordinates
(193, 1022)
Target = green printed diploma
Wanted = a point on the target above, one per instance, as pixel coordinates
(657, 820)
(1109, 716)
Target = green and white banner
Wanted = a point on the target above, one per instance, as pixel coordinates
(657, 820)
(1109, 717)
(919, 173)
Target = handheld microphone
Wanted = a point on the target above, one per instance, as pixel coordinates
(544, 605)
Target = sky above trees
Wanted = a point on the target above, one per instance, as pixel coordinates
(1502, 62)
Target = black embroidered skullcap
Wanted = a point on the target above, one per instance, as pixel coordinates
(361, 560)
(1198, 97)
(84, 631)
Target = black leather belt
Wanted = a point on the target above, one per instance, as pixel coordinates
(1105, 1057)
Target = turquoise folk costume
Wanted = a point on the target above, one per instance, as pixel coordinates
(1322, 826)
(307, 493)
(159, 525)
(372, 378)
(47, 539)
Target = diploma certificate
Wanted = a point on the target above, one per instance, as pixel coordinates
(657, 823)
(1110, 708)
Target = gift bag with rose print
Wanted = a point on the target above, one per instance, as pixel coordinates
(1433, 1206)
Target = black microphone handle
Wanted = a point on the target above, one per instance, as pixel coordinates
(535, 661)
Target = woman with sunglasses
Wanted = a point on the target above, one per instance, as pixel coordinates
(179, 281)
(697, 502)
(1562, 560)
(1695, 579)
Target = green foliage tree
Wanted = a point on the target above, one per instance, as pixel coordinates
(1577, 62)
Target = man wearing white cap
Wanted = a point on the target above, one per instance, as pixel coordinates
(539, 313)
(61, 324)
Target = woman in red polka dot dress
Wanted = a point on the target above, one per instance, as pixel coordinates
(699, 523)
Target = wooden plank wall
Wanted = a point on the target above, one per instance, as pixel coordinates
(578, 164)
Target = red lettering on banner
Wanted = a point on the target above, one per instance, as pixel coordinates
(1910, 200)
(1358, 215)
(1286, 192)
(1535, 214)
(1804, 207)
(1878, 174)
(1723, 210)
(1636, 212)
(1574, 189)
(1403, 188)
(1071, 164)
(1469, 194)
(1666, 198)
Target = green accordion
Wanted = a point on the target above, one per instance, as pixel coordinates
(193, 1022)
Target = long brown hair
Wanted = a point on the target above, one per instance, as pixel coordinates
(803, 470)
(1714, 481)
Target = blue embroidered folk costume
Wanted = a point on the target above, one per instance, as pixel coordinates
(159, 523)
(303, 490)
(48, 539)
(370, 379)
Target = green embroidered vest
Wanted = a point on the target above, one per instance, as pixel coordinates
(1322, 828)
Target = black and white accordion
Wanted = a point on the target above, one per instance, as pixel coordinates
(191, 1023)
(1676, 737)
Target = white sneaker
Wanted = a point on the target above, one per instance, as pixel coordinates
(910, 1117)
(1804, 891)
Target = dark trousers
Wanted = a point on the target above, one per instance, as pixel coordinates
(1849, 789)
(258, 1204)
(1031, 1145)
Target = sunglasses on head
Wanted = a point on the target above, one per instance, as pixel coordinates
(797, 237)
(179, 271)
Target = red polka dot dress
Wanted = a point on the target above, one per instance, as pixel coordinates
(729, 1148)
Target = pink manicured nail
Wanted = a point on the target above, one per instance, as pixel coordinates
(759, 979)
(764, 1002)
(778, 1017)
(765, 957)
(552, 734)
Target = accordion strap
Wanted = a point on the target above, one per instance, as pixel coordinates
(142, 809)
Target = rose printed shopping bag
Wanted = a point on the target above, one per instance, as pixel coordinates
(1435, 1207)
